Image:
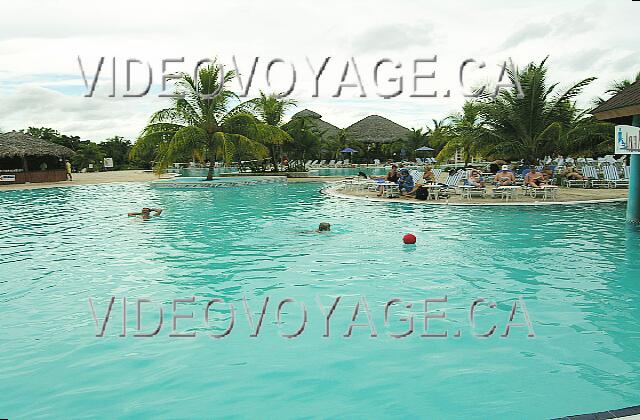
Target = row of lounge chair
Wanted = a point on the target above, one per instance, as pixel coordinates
(330, 164)
(592, 177)
(601, 161)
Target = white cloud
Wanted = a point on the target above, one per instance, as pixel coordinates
(40, 79)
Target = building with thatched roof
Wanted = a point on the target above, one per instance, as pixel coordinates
(321, 127)
(376, 129)
(24, 158)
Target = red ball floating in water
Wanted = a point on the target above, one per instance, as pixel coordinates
(409, 239)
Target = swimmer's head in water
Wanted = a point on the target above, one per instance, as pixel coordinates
(324, 227)
(146, 210)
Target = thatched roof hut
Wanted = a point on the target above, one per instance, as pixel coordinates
(16, 144)
(323, 128)
(24, 158)
(376, 129)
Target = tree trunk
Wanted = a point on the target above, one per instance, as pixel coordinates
(273, 158)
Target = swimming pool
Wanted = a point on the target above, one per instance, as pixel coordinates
(576, 269)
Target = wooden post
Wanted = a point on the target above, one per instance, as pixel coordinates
(25, 169)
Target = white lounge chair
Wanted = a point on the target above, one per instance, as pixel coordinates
(416, 175)
(612, 177)
(452, 181)
(593, 179)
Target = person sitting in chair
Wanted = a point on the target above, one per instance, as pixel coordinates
(534, 178)
(475, 179)
(392, 176)
(504, 177)
(428, 177)
(405, 182)
(572, 173)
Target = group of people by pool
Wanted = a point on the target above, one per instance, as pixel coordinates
(504, 176)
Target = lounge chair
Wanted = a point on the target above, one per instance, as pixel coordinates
(591, 174)
(569, 183)
(613, 178)
(437, 173)
(376, 161)
(452, 181)
(338, 163)
(322, 163)
(346, 162)
(545, 191)
(467, 191)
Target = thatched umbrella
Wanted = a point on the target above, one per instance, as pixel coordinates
(376, 129)
(15, 144)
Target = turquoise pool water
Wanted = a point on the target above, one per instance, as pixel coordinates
(576, 268)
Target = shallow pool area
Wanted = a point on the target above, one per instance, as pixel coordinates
(575, 268)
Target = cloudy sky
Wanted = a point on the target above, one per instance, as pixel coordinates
(40, 42)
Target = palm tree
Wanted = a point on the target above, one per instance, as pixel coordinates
(464, 133)
(616, 87)
(531, 126)
(438, 135)
(199, 123)
(306, 140)
(270, 111)
(416, 139)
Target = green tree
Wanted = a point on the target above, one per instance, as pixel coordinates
(198, 123)
(416, 139)
(88, 153)
(49, 134)
(270, 111)
(306, 140)
(117, 148)
(532, 126)
(464, 133)
(616, 87)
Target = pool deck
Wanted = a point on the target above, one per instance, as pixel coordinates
(89, 178)
(564, 196)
